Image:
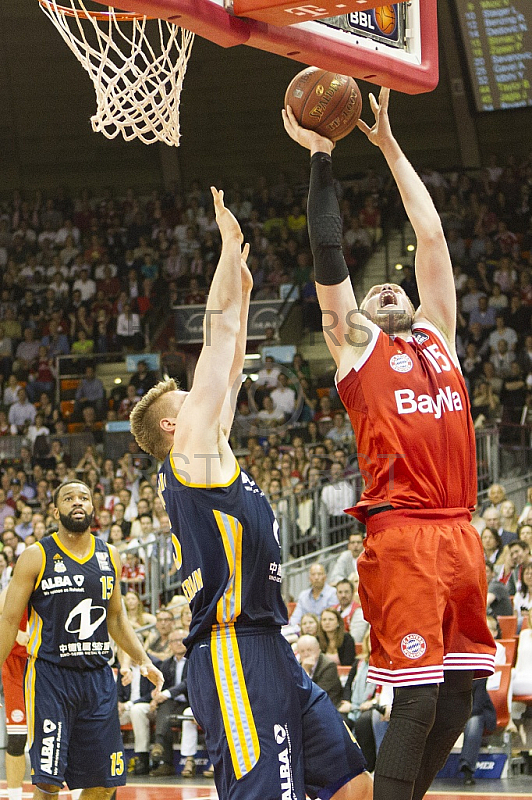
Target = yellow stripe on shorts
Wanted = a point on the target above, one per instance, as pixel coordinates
(237, 715)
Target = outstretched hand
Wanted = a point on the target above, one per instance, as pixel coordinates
(381, 131)
(306, 138)
(227, 223)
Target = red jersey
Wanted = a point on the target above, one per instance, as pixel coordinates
(19, 649)
(409, 407)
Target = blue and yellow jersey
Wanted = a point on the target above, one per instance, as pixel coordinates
(68, 607)
(226, 545)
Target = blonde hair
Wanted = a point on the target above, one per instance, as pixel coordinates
(145, 418)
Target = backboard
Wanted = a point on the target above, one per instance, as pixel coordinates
(404, 59)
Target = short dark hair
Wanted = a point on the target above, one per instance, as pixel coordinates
(55, 496)
(519, 542)
(346, 580)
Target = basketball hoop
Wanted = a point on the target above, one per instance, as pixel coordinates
(138, 84)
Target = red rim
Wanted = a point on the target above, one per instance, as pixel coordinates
(103, 16)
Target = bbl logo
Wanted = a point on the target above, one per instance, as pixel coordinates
(413, 645)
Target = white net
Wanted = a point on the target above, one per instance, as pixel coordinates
(137, 67)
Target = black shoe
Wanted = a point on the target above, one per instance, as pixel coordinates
(142, 764)
(162, 771)
(468, 776)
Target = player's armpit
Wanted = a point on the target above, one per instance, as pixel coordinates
(347, 330)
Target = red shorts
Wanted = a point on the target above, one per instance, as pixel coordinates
(13, 682)
(423, 590)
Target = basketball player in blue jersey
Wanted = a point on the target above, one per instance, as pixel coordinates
(271, 733)
(70, 583)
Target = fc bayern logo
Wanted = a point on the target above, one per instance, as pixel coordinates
(401, 363)
(17, 715)
(413, 645)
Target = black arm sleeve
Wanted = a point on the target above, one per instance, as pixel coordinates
(325, 223)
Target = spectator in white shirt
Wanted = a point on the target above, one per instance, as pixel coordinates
(37, 429)
(338, 494)
(269, 415)
(502, 332)
(269, 374)
(85, 285)
(283, 397)
(146, 539)
(67, 230)
(21, 412)
(11, 390)
(128, 329)
(346, 563)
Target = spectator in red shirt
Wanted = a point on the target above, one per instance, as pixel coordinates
(347, 601)
(127, 404)
(133, 573)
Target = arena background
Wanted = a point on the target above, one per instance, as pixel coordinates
(231, 123)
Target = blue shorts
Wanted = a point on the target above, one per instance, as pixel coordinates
(73, 726)
(270, 731)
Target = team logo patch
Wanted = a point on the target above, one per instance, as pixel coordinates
(78, 580)
(280, 733)
(413, 645)
(420, 337)
(401, 362)
(103, 561)
(17, 715)
(59, 566)
(48, 726)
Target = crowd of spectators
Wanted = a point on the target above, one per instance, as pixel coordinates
(82, 276)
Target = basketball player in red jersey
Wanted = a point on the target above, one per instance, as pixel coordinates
(422, 576)
(16, 725)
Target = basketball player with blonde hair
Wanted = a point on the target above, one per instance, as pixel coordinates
(271, 733)
(422, 577)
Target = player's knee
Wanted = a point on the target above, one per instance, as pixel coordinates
(456, 683)
(16, 742)
(99, 793)
(416, 704)
(48, 789)
(359, 788)
(455, 701)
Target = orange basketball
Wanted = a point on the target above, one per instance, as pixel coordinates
(325, 102)
(385, 18)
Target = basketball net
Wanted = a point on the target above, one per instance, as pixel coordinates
(138, 85)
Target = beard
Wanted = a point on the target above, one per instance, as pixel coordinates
(393, 322)
(75, 525)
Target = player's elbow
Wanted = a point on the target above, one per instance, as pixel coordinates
(431, 232)
(221, 322)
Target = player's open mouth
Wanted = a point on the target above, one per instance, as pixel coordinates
(387, 298)
(78, 513)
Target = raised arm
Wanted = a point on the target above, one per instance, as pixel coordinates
(198, 448)
(433, 264)
(346, 330)
(235, 375)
